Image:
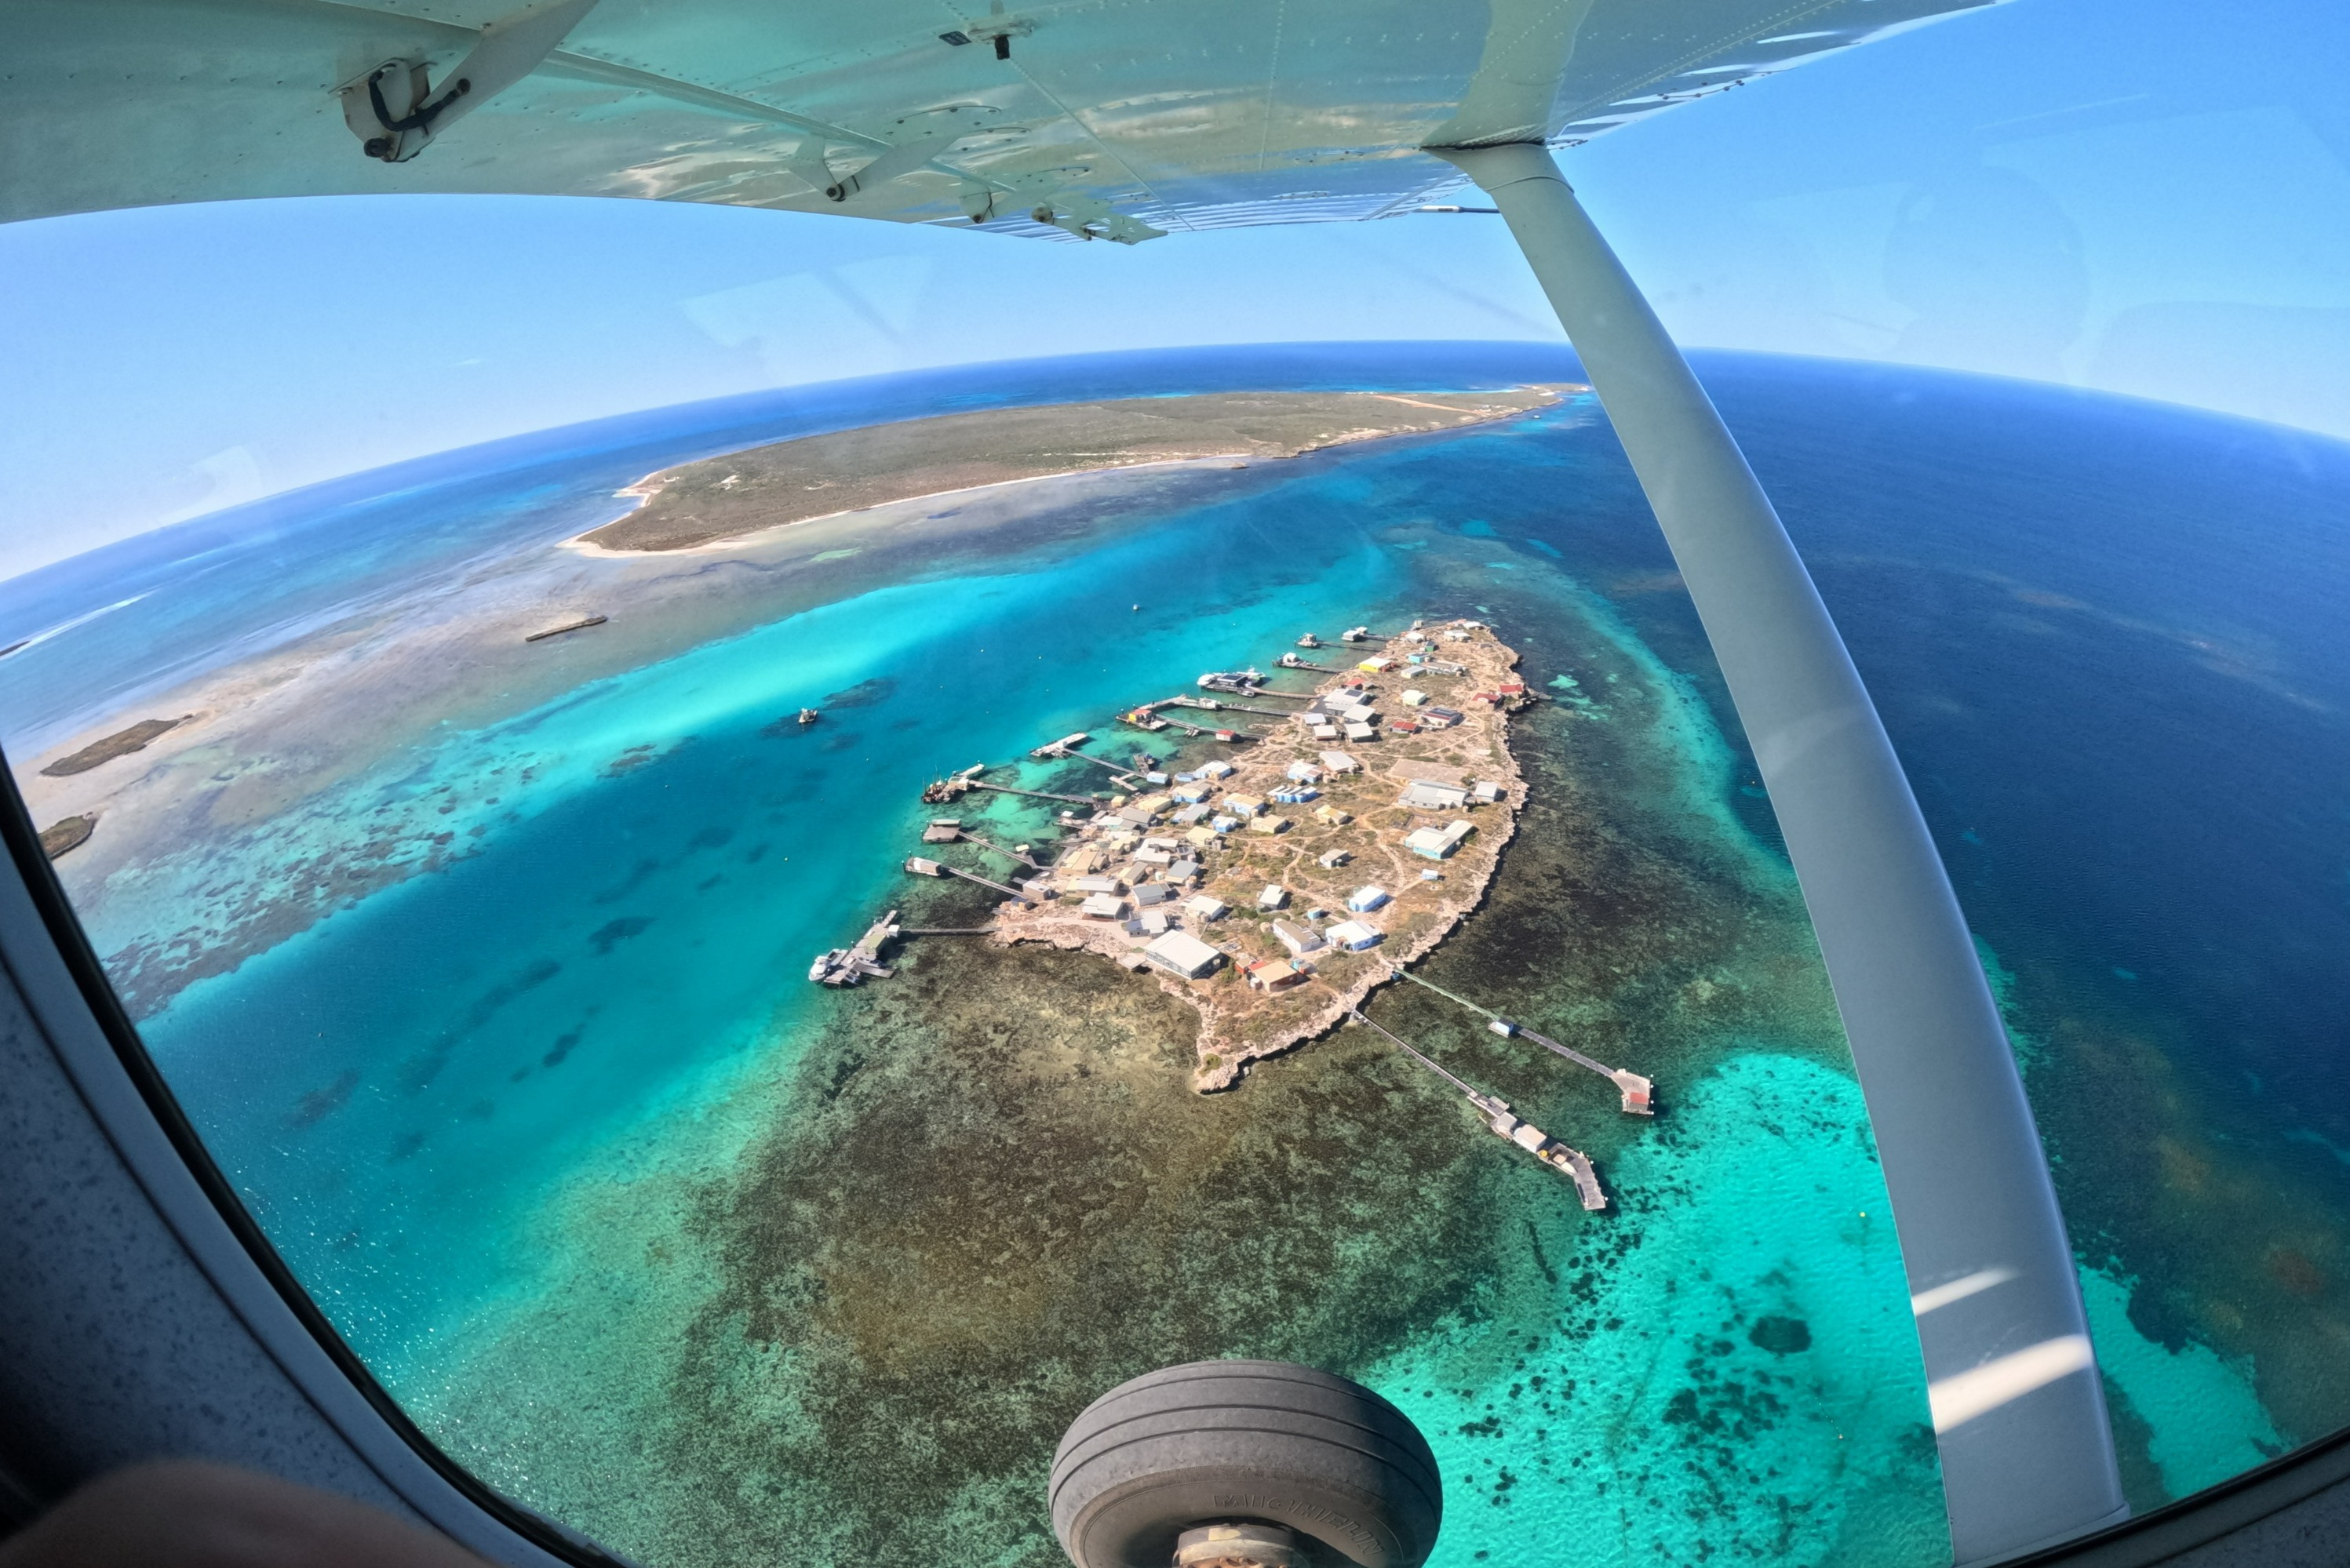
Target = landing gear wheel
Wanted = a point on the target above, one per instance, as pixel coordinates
(1239, 1441)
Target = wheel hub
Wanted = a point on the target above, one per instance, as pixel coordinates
(1238, 1546)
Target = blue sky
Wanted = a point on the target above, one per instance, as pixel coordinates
(2149, 196)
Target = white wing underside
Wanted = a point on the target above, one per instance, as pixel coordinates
(1173, 114)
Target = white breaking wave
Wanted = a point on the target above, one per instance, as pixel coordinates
(65, 626)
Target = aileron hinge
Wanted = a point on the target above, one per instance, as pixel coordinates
(394, 110)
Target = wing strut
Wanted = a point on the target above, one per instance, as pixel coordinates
(2019, 1413)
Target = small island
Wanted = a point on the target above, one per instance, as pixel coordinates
(120, 743)
(68, 834)
(1273, 888)
(797, 480)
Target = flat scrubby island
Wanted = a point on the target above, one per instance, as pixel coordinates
(808, 477)
(1424, 785)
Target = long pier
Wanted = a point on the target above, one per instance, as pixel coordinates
(1116, 771)
(921, 867)
(995, 849)
(1639, 1093)
(945, 791)
(1031, 794)
(1215, 705)
(1244, 708)
(850, 965)
(1408, 1049)
(1571, 1163)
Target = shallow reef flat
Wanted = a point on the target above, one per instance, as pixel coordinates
(816, 476)
(294, 781)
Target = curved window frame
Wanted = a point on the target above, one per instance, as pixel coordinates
(75, 1013)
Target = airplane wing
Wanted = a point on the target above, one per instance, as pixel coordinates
(1064, 119)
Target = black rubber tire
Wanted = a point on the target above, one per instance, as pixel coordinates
(1232, 1441)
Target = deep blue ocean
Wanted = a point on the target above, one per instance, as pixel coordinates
(2105, 635)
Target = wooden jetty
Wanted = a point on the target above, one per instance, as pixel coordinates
(1216, 707)
(921, 867)
(942, 792)
(582, 624)
(1034, 793)
(1571, 1163)
(850, 965)
(1232, 686)
(1210, 704)
(948, 831)
(945, 791)
(945, 930)
(1115, 769)
(1639, 1093)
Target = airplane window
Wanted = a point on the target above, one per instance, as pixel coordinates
(773, 850)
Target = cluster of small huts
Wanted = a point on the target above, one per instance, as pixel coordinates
(1142, 862)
